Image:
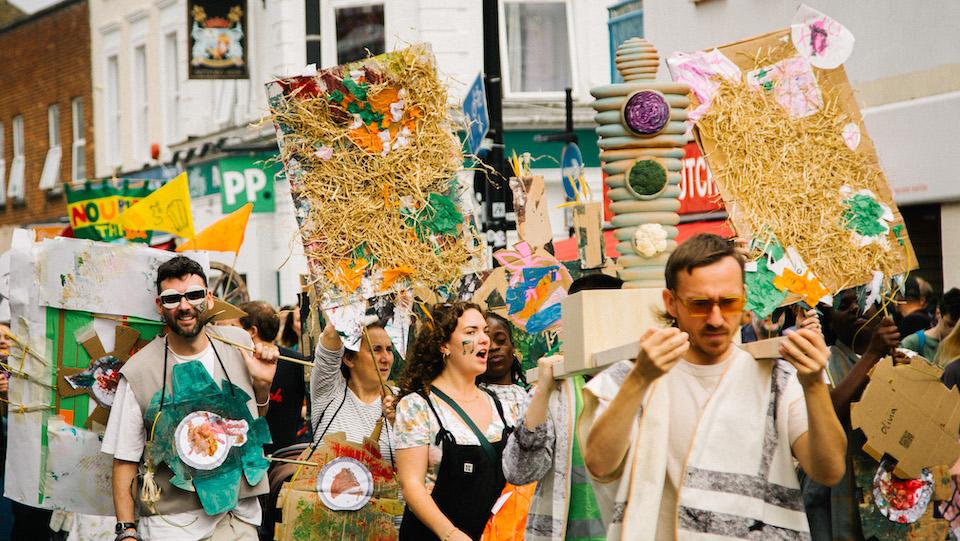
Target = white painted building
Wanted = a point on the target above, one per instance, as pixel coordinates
(905, 68)
(142, 96)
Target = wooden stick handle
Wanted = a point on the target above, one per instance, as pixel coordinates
(250, 349)
(290, 461)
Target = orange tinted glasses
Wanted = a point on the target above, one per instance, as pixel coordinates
(702, 306)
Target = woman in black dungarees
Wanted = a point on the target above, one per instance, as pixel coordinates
(450, 432)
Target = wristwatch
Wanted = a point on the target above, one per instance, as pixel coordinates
(122, 534)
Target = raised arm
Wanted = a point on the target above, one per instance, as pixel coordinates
(821, 451)
(606, 445)
(529, 451)
(885, 337)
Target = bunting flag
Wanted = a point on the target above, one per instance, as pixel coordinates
(224, 235)
(166, 209)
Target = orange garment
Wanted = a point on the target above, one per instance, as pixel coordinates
(510, 521)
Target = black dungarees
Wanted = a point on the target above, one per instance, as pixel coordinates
(469, 481)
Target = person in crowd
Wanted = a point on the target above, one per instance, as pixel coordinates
(927, 342)
(182, 301)
(769, 327)
(675, 423)
(545, 449)
(289, 388)
(505, 377)
(861, 337)
(290, 330)
(450, 431)
(348, 388)
(913, 300)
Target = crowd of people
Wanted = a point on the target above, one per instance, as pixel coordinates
(644, 449)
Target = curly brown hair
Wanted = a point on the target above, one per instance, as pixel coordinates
(427, 363)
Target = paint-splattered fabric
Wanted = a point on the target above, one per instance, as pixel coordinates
(416, 426)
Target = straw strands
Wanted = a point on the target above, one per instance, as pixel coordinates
(363, 160)
(782, 176)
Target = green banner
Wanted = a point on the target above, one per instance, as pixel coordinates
(247, 180)
(94, 210)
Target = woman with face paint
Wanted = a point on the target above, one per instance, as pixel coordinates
(450, 432)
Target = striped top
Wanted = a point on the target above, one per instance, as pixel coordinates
(335, 408)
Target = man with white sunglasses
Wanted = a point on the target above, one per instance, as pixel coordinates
(183, 302)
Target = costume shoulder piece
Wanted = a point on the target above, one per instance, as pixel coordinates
(207, 436)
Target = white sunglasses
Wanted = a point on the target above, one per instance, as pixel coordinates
(195, 295)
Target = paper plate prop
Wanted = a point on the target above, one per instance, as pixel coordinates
(99, 380)
(348, 492)
(777, 121)
(206, 435)
(372, 157)
(902, 500)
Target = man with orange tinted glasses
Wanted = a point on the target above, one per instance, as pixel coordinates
(713, 432)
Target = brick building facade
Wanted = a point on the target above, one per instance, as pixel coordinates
(45, 86)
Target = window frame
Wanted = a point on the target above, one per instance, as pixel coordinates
(557, 95)
(331, 7)
(140, 106)
(112, 111)
(78, 139)
(173, 89)
(3, 165)
(16, 189)
(50, 175)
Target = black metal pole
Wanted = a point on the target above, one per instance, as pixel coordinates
(497, 200)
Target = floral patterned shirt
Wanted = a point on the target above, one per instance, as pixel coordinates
(415, 426)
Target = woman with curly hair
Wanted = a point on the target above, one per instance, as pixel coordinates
(450, 432)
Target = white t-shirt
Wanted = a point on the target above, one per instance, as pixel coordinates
(691, 386)
(125, 439)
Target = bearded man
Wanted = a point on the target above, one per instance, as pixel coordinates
(183, 302)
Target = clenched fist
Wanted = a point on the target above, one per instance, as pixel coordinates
(806, 350)
(660, 350)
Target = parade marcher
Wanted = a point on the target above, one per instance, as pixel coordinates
(927, 342)
(713, 432)
(450, 432)
(346, 390)
(505, 377)
(912, 306)
(545, 448)
(182, 301)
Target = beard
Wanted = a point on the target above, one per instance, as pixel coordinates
(173, 321)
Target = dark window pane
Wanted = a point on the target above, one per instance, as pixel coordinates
(359, 29)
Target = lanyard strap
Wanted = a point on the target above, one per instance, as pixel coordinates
(484, 442)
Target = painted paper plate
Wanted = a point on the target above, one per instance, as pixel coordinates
(345, 484)
(204, 439)
(902, 500)
(105, 381)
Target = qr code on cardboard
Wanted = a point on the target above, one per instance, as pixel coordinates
(906, 439)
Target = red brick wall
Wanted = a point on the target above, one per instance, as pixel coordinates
(44, 60)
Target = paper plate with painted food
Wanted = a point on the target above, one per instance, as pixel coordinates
(902, 500)
(345, 484)
(204, 439)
